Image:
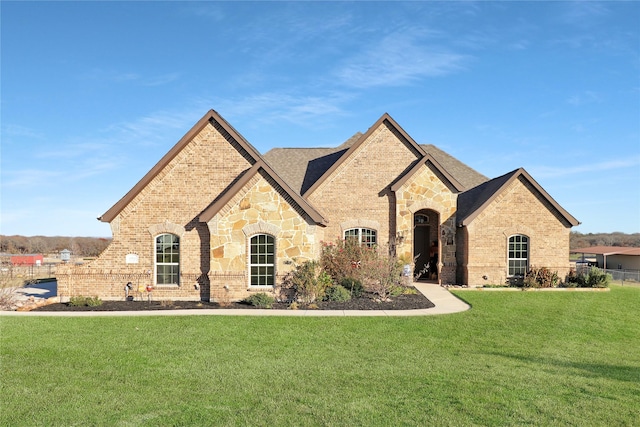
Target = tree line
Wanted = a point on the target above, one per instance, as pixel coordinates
(579, 240)
(79, 246)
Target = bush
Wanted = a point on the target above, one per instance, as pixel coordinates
(355, 288)
(595, 278)
(344, 259)
(260, 300)
(337, 293)
(85, 301)
(309, 282)
(541, 278)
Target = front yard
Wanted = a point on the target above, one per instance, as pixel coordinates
(514, 358)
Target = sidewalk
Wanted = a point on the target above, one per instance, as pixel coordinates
(445, 303)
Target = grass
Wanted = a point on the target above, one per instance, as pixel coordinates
(516, 358)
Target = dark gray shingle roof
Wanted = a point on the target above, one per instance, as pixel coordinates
(301, 167)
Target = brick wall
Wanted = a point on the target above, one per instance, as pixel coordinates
(358, 192)
(171, 203)
(519, 209)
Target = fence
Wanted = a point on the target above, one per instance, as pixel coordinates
(617, 275)
(28, 272)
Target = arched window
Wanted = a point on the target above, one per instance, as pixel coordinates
(167, 259)
(364, 236)
(262, 260)
(518, 255)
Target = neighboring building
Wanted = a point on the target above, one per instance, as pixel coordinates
(29, 259)
(216, 219)
(613, 257)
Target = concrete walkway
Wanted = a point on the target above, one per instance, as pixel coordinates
(445, 303)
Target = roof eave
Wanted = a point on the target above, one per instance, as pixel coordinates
(166, 159)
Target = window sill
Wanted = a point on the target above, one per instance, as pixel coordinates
(166, 286)
(260, 288)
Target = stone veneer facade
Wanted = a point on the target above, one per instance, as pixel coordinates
(425, 193)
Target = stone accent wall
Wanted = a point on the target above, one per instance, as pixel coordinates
(359, 189)
(259, 207)
(425, 191)
(171, 203)
(519, 209)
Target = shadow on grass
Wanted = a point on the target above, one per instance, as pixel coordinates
(613, 372)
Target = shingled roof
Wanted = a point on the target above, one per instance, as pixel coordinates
(465, 175)
(473, 201)
(302, 167)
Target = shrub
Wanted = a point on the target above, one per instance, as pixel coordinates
(381, 274)
(337, 293)
(260, 300)
(309, 282)
(573, 280)
(344, 259)
(402, 290)
(355, 288)
(541, 278)
(597, 278)
(85, 301)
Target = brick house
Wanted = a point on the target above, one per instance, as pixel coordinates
(216, 219)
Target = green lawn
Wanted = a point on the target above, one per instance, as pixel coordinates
(516, 358)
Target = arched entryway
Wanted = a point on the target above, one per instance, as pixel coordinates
(426, 251)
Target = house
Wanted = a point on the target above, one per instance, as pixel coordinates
(216, 219)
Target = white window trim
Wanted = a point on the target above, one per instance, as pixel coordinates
(360, 229)
(527, 259)
(156, 263)
(250, 264)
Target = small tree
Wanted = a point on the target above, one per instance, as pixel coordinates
(382, 274)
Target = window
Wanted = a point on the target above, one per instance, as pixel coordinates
(261, 260)
(365, 236)
(518, 255)
(167, 259)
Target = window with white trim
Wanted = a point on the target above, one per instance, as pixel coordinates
(364, 236)
(518, 256)
(167, 259)
(262, 254)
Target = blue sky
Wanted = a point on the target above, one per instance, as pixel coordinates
(93, 94)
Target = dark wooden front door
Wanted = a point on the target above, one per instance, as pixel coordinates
(421, 246)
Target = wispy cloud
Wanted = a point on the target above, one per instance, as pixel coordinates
(273, 107)
(399, 59)
(586, 97)
(553, 172)
(581, 13)
(116, 76)
(12, 130)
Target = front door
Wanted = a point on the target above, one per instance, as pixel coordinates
(421, 247)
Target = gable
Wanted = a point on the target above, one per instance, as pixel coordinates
(428, 162)
(385, 151)
(276, 185)
(204, 161)
(473, 202)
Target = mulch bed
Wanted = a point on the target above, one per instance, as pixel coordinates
(367, 302)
